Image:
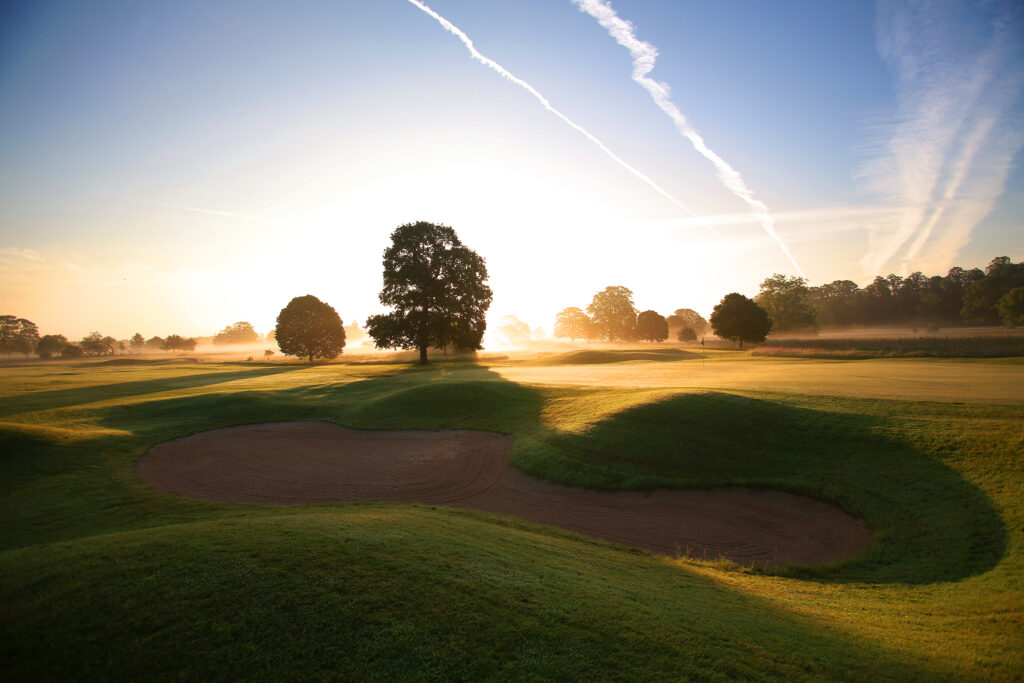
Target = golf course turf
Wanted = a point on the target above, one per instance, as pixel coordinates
(104, 576)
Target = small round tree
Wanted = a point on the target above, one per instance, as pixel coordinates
(651, 326)
(738, 318)
(686, 334)
(309, 328)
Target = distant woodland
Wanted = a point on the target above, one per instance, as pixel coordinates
(787, 305)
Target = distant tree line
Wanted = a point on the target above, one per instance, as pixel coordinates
(611, 316)
(436, 287)
(961, 297)
(18, 335)
(789, 305)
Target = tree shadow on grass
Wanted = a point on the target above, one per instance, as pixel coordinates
(929, 523)
(62, 398)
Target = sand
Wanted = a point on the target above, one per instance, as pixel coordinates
(292, 463)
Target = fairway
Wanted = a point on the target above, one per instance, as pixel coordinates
(392, 590)
(910, 379)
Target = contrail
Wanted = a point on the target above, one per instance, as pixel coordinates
(490, 63)
(949, 149)
(644, 55)
(230, 214)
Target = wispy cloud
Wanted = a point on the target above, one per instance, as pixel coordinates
(946, 155)
(644, 56)
(228, 214)
(18, 257)
(851, 217)
(505, 73)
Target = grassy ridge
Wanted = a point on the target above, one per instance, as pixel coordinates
(980, 346)
(106, 576)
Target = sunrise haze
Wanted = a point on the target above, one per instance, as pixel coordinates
(179, 167)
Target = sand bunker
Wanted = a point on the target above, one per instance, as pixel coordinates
(316, 462)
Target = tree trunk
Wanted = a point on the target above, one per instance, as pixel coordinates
(310, 358)
(423, 355)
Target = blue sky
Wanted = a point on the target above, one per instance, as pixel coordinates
(175, 167)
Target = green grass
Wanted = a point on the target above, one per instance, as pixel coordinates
(1006, 344)
(103, 577)
(591, 357)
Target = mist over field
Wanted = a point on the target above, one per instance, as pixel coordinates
(535, 340)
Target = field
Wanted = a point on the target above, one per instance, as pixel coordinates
(105, 577)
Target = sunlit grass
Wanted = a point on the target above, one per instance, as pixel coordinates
(104, 577)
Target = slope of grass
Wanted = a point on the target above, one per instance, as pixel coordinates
(591, 357)
(105, 578)
(1007, 344)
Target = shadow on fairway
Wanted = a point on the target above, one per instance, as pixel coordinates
(929, 523)
(61, 398)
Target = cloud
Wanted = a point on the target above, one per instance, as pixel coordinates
(17, 258)
(945, 155)
(505, 73)
(644, 56)
(228, 214)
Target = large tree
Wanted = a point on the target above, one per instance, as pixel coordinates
(787, 302)
(436, 286)
(573, 323)
(651, 326)
(738, 318)
(309, 328)
(240, 333)
(613, 313)
(17, 335)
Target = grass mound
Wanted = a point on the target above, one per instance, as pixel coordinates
(103, 577)
(388, 592)
(860, 348)
(591, 357)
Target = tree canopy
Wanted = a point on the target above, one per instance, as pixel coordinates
(613, 313)
(1011, 307)
(239, 333)
(786, 300)
(95, 344)
(51, 345)
(514, 329)
(651, 326)
(309, 328)
(17, 335)
(175, 342)
(436, 286)
(738, 318)
(686, 334)
(687, 317)
(573, 323)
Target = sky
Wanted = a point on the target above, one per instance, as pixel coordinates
(172, 168)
